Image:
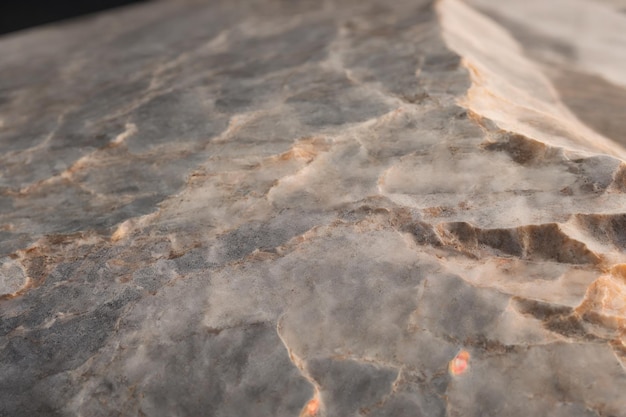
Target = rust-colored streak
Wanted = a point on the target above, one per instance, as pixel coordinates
(605, 300)
(311, 408)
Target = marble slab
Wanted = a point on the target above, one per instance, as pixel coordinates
(315, 208)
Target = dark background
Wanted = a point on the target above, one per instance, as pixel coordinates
(22, 14)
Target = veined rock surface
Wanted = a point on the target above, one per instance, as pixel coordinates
(316, 208)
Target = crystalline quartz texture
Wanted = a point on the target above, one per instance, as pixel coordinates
(272, 208)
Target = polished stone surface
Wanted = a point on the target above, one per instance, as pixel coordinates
(315, 208)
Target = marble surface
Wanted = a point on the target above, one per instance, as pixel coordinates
(315, 208)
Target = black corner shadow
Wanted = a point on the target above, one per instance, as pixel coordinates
(22, 14)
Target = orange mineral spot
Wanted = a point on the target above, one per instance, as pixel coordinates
(460, 363)
(311, 408)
